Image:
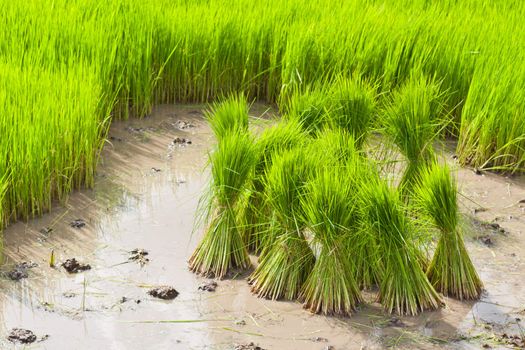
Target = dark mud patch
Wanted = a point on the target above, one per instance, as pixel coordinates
(73, 266)
(77, 223)
(181, 141)
(164, 292)
(249, 346)
(139, 255)
(210, 286)
(21, 336)
(20, 270)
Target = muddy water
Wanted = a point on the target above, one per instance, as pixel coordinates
(146, 195)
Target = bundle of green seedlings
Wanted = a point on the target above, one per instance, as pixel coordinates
(229, 115)
(274, 140)
(354, 104)
(451, 271)
(286, 258)
(403, 287)
(222, 246)
(331, 211)
(411, 123)
(232, 170)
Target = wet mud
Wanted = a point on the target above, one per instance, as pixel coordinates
(137, 232)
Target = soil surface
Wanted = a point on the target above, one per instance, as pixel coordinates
(147, 191)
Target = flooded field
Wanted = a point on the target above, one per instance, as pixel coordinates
(135, 230)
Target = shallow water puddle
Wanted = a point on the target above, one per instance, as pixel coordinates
(137, 235)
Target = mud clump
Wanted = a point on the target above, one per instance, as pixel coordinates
(17, 274)
(209, 286)
(249, 346)
(139, 255)
(183, 125)
(22, 336)
(486, 240)
(73, 266)
(77, 223)
(181, 141)
(164, 292)
(20, 270)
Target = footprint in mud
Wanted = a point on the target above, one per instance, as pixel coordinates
(164, 292)
(73, 266)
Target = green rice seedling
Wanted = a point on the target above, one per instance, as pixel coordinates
(331, 211)
(354, 100)
(411, 123)
(273, 141)
(311, 108)
(222, 246)
(286, 259)
(228, 116)
(404, 288)
(451, 271)
(333, 146)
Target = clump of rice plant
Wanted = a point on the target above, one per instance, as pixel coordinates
(354, 106)
(334, 146)
(311, 108)
(222, 246)
(274, 140)
(286, 259)
(229, 116)
(411, 121)
(404, 288)
(331, 210)
(451, 271)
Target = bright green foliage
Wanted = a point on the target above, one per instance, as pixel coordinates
(451, 270)
(222, 247)
(403, 288)
(354, 102)
(286, 258)
(273, 141)
(64, 64)
(228, 116)
(331, 211)
(411, 122)
(310, 108)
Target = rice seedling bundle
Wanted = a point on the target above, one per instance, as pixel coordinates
(228, 116)
(273, 141)
(331, 211)
(354, 100)
(222, 246)
(451, 271)
(286, 259)
(403, 288)
(411, 122)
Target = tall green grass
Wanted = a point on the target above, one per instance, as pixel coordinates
(66, 66)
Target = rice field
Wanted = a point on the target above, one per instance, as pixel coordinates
(69, 67)
(326, 217)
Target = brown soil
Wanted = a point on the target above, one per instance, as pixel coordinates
(146, 195)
